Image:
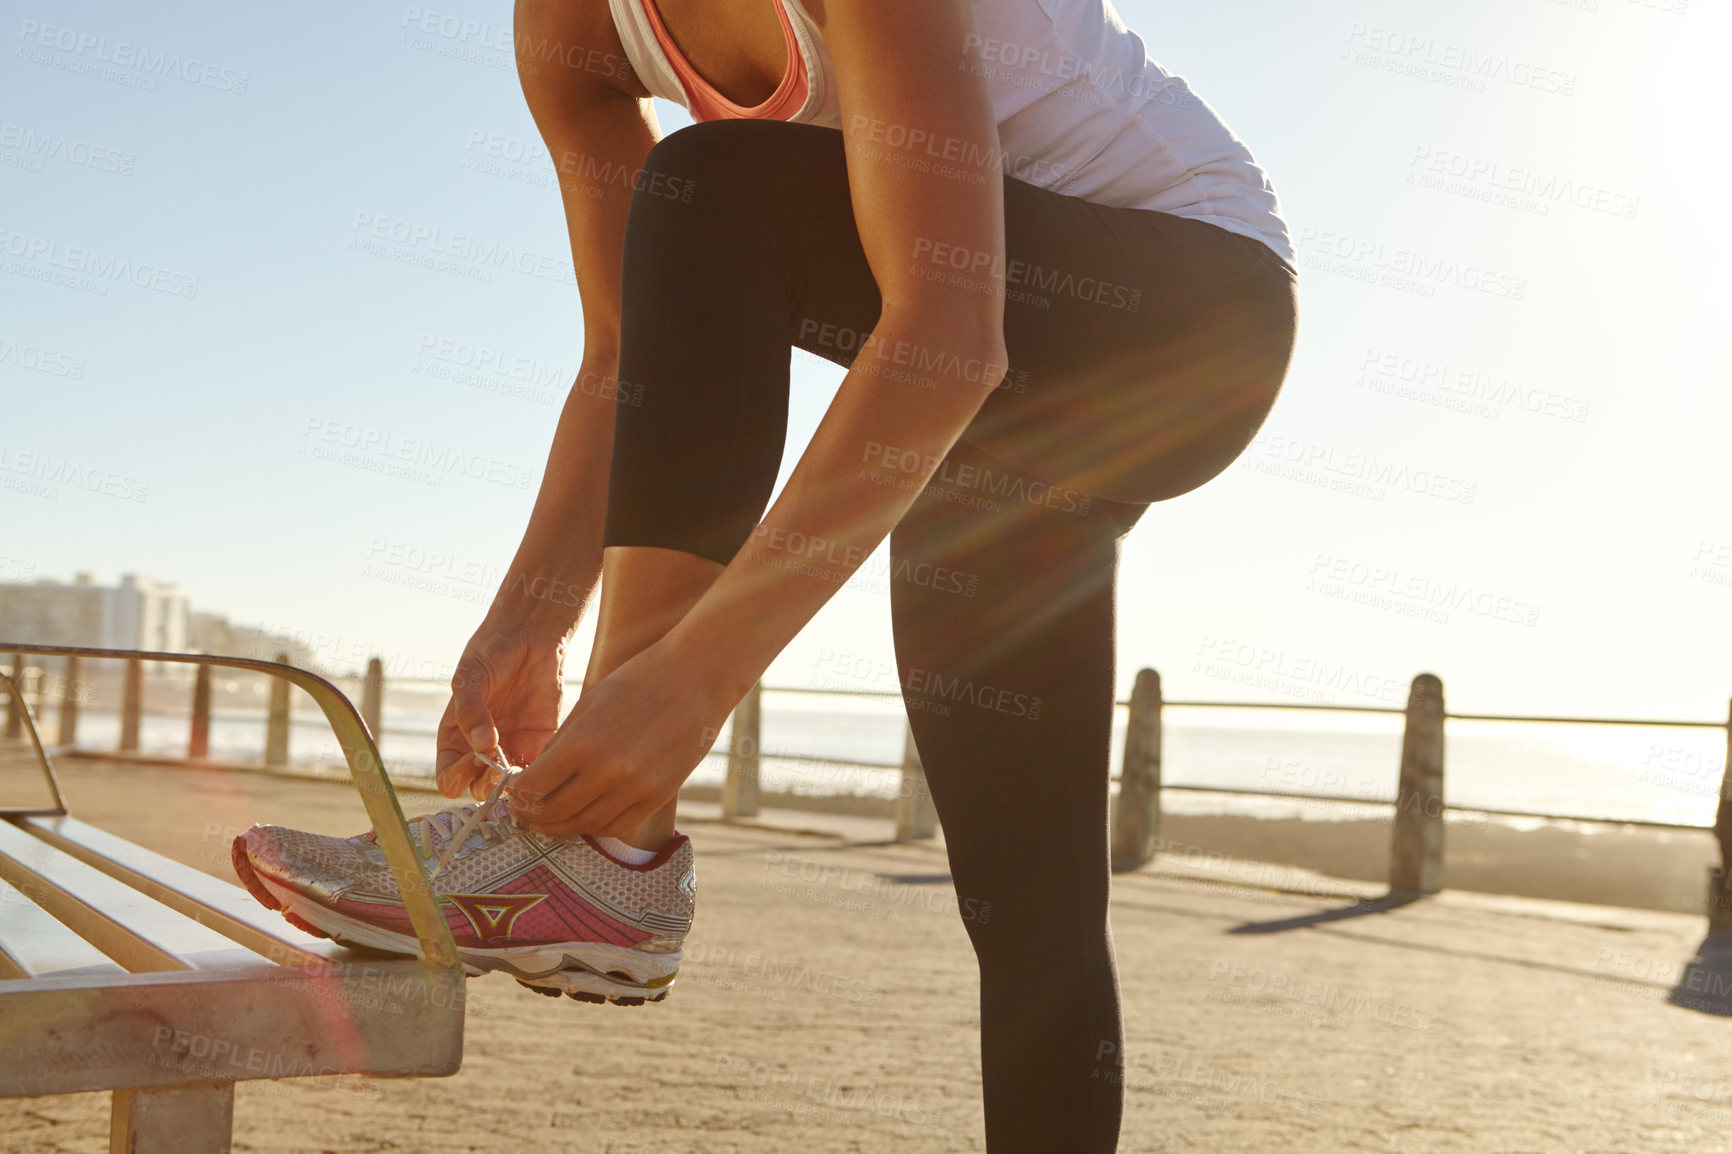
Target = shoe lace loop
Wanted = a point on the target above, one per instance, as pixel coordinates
(429, 828)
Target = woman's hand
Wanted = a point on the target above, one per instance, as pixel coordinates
(630, 742)
(504, 696)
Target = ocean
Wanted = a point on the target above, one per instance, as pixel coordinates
(1628, 773)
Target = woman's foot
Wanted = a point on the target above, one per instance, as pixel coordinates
(559, 914)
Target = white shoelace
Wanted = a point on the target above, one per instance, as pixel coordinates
(441, 823)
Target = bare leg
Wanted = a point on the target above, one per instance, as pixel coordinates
(644, 593)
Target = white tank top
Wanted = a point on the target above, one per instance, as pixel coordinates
(1081, 110)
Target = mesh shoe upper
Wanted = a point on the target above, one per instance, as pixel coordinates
(505, 886)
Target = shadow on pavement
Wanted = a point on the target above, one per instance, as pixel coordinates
(1359, 909)
(1706, 985)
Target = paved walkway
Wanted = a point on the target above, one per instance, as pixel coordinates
(829, 1005)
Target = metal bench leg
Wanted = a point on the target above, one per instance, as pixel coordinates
(197, 1118)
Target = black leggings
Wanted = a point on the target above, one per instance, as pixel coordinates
(1145, 350)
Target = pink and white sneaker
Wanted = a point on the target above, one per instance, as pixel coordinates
(558, 914)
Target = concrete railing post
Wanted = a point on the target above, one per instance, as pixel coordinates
(916, 817)
(198, 742)
(1720, 880)
(131, 705)
(69, 705)
(1137, 811)
(373, 696)
(15, 700)
(277, 720)
(1416, 851)
(740, 791)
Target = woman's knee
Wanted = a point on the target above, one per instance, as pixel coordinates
(716, 160)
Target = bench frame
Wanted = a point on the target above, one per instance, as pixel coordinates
(201, 985)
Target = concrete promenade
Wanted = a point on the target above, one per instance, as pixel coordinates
(828, 1004)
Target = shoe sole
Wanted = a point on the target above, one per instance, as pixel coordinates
(584, 971)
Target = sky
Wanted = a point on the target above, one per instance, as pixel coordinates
(1500, 455)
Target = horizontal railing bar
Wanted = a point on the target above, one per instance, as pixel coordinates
(1323, 797)
(1232, 791)
(300, 718)
(1288, 705)
(1586, 720)
(1278, 705)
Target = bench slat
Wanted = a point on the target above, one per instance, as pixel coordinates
(223, 906)
(71, 1034)
(34, 945)
(137, 932)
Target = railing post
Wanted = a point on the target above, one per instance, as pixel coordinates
(69, 705)
(916, 817)
(1416, 850)
(277, 720)
(740, 791)
(198, 743)
(15, 700)
(373, 696)
(1136, 822)
(131, 705)
(1720, 880)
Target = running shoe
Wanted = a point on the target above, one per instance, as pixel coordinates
(558, 914)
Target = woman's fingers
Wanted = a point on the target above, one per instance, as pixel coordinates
(483, 783)
(470, 689)
(454, 766)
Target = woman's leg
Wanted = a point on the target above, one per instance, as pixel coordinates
(644, 593)
(1010, 695)
(707, 321)
(1145, 350)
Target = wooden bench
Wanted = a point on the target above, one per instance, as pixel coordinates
(123, 970)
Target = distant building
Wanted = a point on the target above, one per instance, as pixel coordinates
(214, 633)
(136, 614)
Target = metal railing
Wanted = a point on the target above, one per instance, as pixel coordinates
(1419, 802)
